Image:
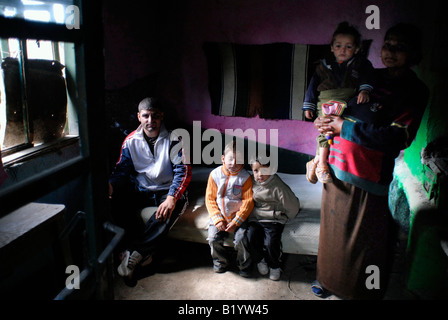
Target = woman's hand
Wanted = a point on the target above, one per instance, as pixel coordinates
(331, 125)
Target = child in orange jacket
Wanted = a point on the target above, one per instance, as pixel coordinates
(229, 202)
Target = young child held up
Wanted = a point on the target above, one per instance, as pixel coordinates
(229, 202)
(344, 75)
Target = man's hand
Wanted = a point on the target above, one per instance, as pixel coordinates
(166, 208)
(111, 190)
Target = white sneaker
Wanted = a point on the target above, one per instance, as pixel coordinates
(262, 267)
(274, 274)
(128, 263)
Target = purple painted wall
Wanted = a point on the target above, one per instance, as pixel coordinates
(165, 39)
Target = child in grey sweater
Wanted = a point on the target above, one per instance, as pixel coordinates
(275, 203)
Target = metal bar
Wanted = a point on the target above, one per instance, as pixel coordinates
(119, 232)
(24, 89)
(66, 291)
(72, 224)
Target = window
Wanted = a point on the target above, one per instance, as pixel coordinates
(34, 93)
(42, 98)
(35, 107)
(61, 171)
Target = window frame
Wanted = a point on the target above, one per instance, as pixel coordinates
(23, 61)
(35, 186)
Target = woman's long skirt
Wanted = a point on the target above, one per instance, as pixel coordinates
(353, 254)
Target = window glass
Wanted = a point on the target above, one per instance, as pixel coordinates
(40, 49)
(35, 106)
(37, 10)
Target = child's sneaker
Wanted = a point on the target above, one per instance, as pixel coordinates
(323, 174)
(128, 263)
(274, 274)
(219, 268)
(263, 268)
(311, 171)
(245, 273)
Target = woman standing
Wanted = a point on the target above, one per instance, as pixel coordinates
(356, 225)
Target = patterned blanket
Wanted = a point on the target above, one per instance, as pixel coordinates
(268, 80)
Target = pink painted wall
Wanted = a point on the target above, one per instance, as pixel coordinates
(166, 40)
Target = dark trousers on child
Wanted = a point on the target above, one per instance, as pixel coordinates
(265, 242)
